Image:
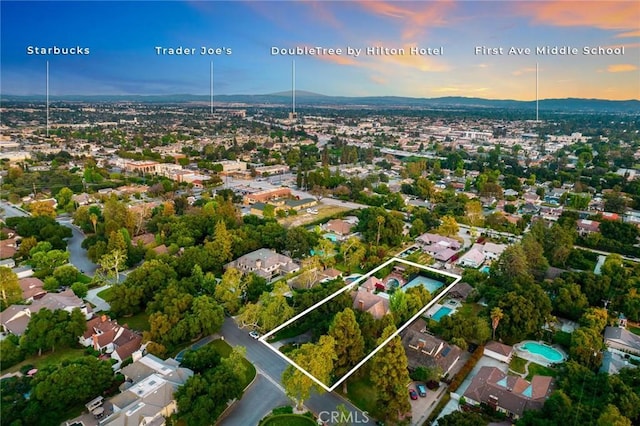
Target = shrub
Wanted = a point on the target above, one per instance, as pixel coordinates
(466, 369)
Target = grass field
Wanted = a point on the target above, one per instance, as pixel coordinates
(635, 330)
(139, 322)
(50, 358)
(304, 218)
(363, 395)
(517, 364)
(539, 370)
(224, 350)
(288, 420)
(105, 294)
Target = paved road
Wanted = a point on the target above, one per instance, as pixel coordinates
(258, 401)
(8, 210)
(270, 367)
(77, 255)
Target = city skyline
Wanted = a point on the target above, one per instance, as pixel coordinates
(124, 58)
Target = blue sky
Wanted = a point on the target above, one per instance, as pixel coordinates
(122, 35)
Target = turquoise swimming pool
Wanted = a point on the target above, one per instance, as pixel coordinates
(442, 312)
(485, 269)
(551, 354)
(429, 283)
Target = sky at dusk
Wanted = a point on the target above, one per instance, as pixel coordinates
(122, 37)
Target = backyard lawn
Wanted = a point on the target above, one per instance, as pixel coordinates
(517, 364)
(139, 322)
(540, 370)
(635, 330)
(50, 358)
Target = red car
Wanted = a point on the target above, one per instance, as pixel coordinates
(413, 394)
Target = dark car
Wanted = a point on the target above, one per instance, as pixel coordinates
(413, 394)
(422, 390)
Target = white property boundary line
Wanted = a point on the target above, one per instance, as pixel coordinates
(348, 287)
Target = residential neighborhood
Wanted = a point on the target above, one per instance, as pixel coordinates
(191, 236)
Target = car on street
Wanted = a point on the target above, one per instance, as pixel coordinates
(413, 394)
(254, 334)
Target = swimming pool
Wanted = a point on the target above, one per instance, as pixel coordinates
(485, 269)
(442, 312)
(429, 283)
(331, 237)
(551, 354)
(393, 283)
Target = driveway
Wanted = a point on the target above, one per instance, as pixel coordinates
(99, 303)
(422, 407)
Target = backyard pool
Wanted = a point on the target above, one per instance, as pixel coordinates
(331, 237)
(550, 354)
(429, 283)
(485, 269)
(393, 283)
(442, 312)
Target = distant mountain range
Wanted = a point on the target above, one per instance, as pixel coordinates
(310, 99)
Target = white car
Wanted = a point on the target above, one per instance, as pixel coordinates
(254, 334)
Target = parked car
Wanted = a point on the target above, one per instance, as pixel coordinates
(254, 334)
(422, 390)
(413, 394)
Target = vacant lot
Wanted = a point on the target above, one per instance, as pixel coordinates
(304, 218)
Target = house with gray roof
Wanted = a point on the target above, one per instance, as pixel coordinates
(15, 318)
(265, 263)
(426, 350)
(622, 339)
(148, 399)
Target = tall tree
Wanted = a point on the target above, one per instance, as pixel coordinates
(317, 359)
(448, 226)
(349, 344)
(230, 290)
(496, 316)
(390, 377)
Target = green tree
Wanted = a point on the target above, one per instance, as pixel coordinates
(79, 380)
(220, 248)
(66, 275)
(63, 197)
(206, 316)
(113, 262)
(473, 213)
(462, 418)
(229, 292)
(611, 416)
(349, 344)
(10, 290)
(448, 227)
(390, 377)
(80, 289)
(586, 346)
(317, 359)
(352, 251)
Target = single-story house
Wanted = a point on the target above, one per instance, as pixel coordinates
(32, 288)
(461, 291)
(622, 339)
(511, 395)
(471, 259)
(498, 351)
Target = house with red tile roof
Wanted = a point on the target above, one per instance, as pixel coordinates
(511, 395)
